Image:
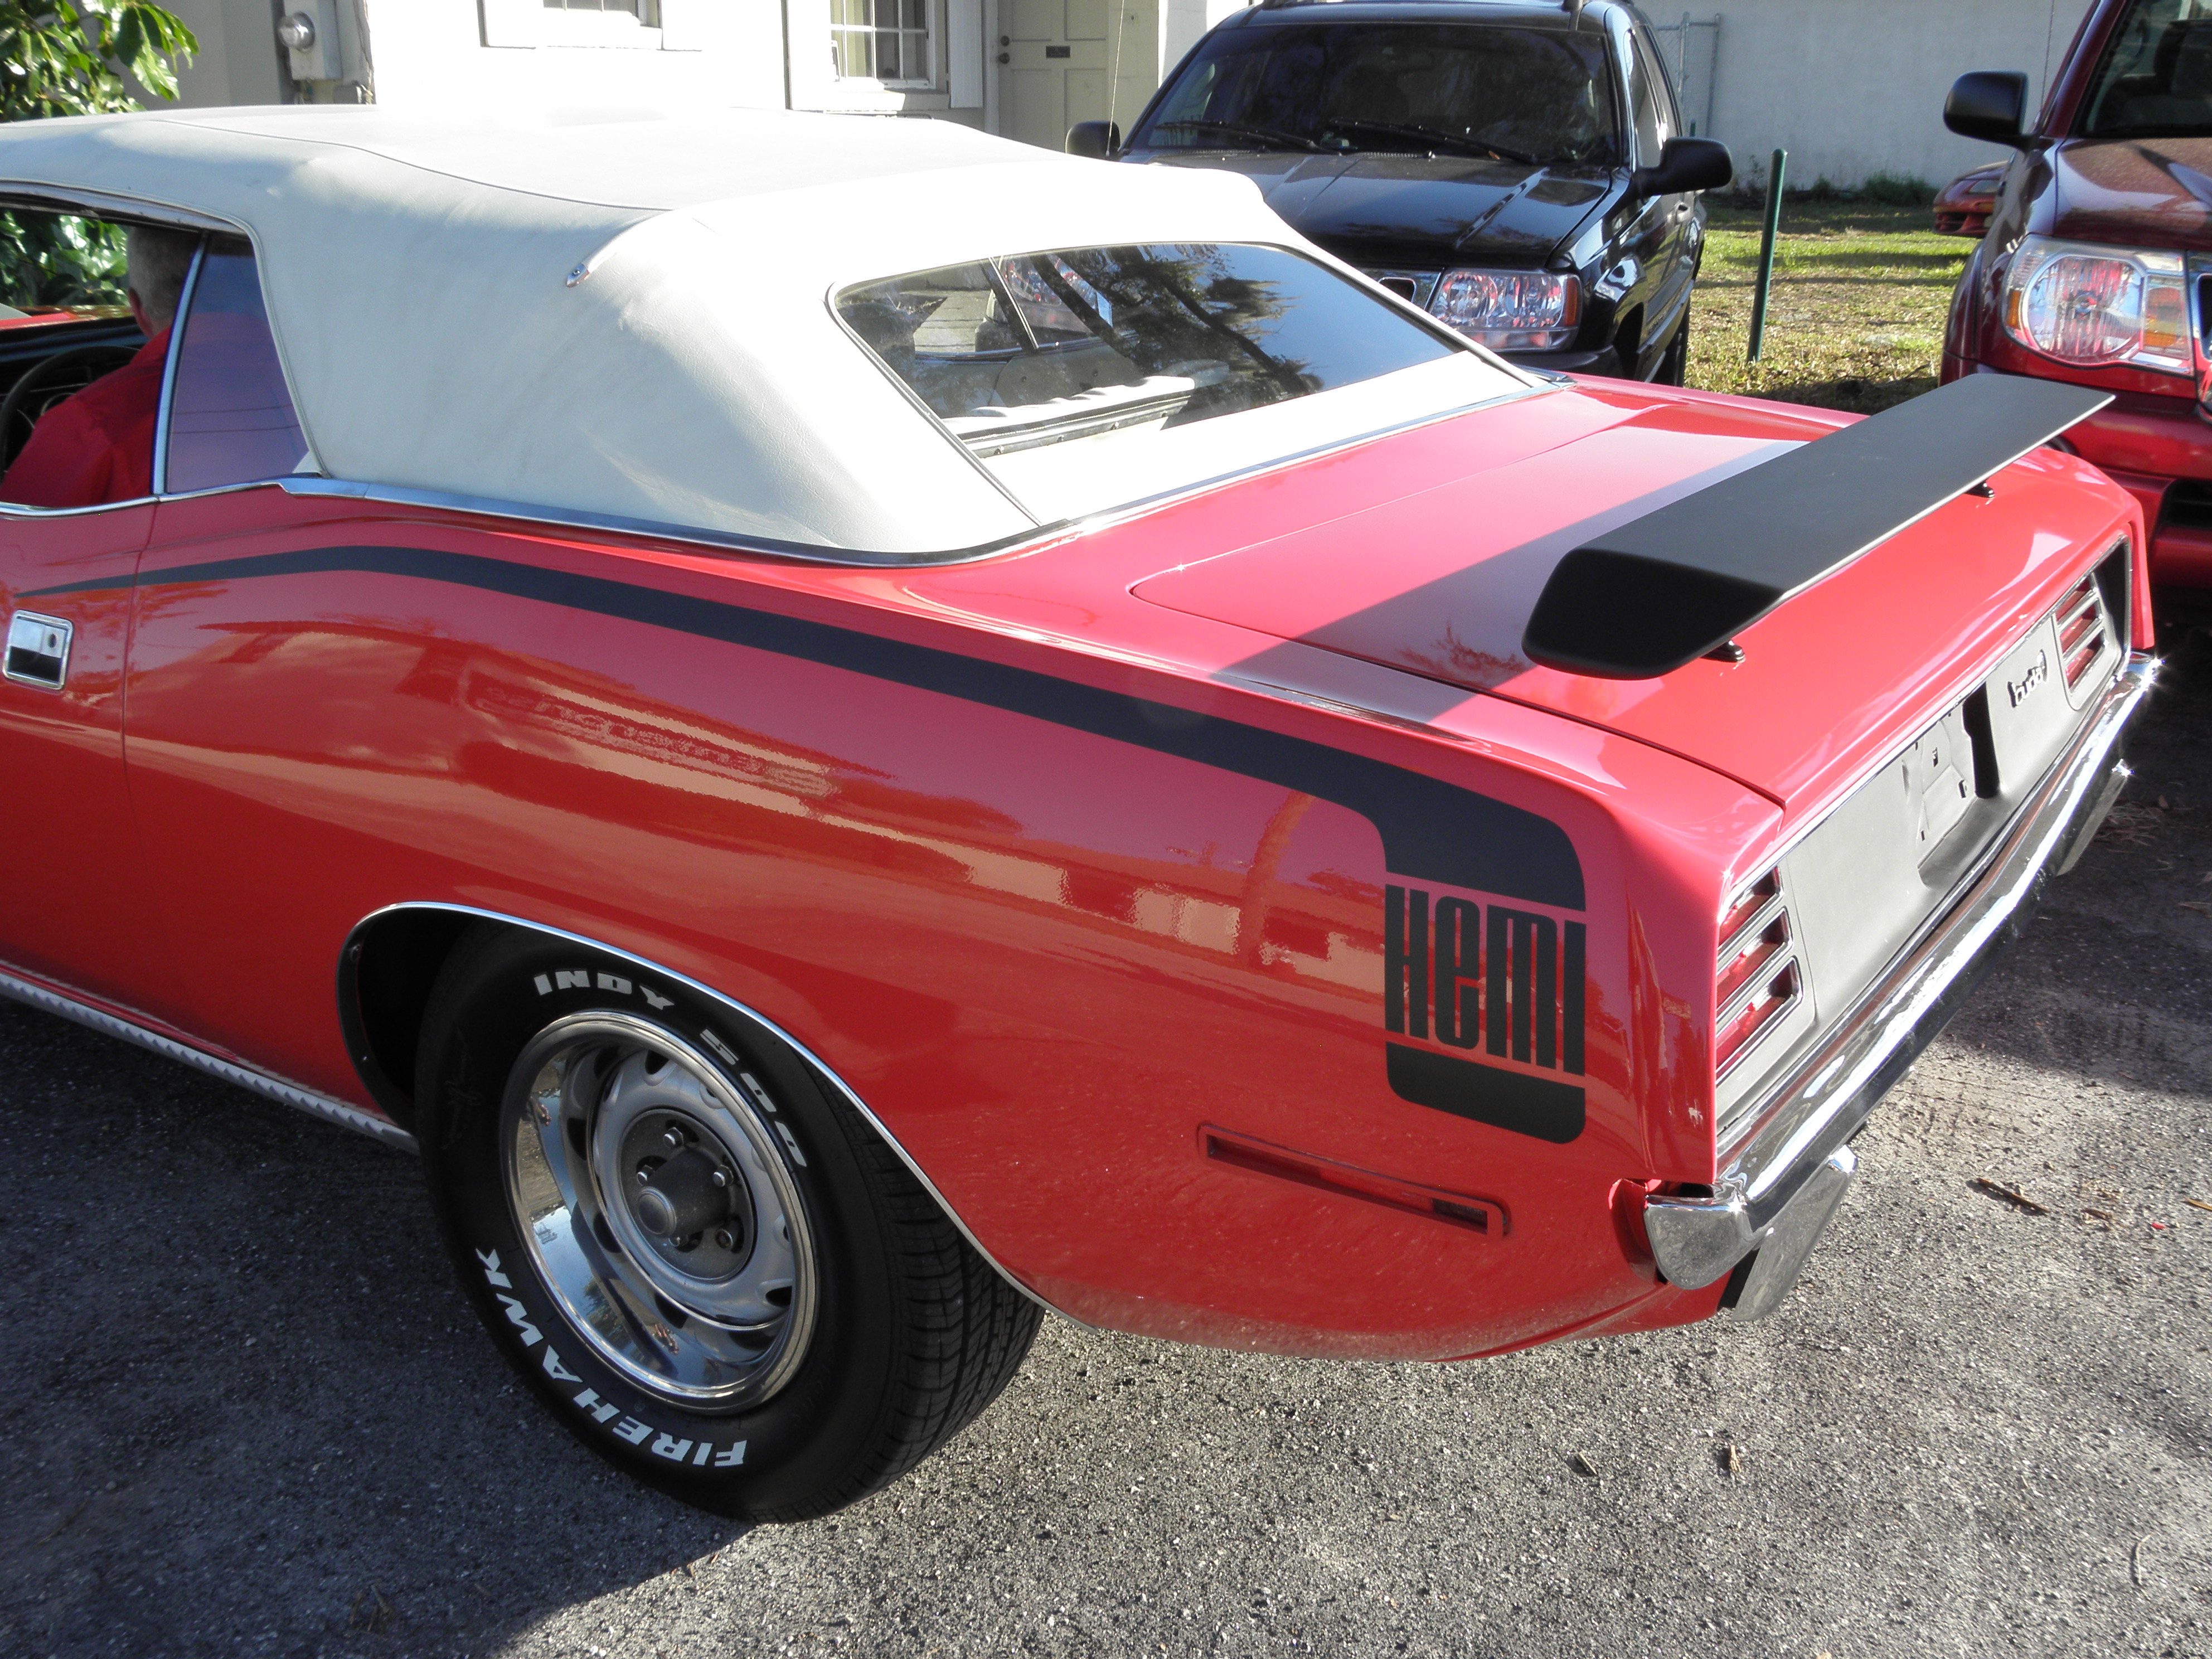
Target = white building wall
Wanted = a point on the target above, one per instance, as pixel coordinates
(237, 62)
(1182, 22)
(428, 53)
(1855, 87)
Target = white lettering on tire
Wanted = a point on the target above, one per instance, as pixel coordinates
(556, 1370)
(490, 1260)
(720, 1048)
(517, 1318)
(590, 1401)
(797, 1157)
(653, 1001)
(705, 1456)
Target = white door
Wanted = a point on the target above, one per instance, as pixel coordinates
(1054, 58)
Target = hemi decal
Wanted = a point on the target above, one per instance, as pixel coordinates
(1493, 981)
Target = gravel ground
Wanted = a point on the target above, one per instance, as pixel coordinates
(246, 1411)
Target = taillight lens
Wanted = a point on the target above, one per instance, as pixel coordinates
(2094, 307)
(1510, 310)
(1756, 977)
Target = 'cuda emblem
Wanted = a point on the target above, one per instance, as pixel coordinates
(2022, 689)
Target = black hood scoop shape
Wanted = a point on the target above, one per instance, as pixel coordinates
(1665, 589)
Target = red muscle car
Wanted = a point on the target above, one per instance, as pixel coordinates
(1962, 207)
(2093, 268)
(858, 730)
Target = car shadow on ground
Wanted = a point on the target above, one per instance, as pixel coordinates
(252, 1407)
(2115, 973)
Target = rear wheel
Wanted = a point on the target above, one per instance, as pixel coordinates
(711, 1269)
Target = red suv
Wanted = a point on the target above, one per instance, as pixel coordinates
(2095, 266)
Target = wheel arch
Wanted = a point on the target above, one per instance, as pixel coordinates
(391, 959)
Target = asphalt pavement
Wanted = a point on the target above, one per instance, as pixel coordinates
(243, 1409)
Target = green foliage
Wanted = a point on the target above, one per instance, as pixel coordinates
(76, 57)
(59, 260)
(71, 57)
(1896, 190)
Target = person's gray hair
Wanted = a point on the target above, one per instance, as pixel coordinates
(159, 260)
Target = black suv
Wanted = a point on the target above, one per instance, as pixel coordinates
(1512, 168)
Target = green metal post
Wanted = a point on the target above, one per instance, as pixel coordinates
(1766, 253)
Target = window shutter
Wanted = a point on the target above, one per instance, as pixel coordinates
(963, 52)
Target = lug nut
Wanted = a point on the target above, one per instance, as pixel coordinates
(721, 1177)
(724, 1239)
(671, 1138)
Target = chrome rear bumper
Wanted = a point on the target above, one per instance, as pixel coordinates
(1805, 1115)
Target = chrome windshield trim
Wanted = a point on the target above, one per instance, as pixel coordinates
(169, 369)
(270, 1087)
(1821, 1102)
(347, 957)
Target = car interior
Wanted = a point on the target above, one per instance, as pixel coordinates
(65, 324)
(2156, 78)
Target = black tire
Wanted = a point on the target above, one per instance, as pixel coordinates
(1674, 363)
(911, 1333)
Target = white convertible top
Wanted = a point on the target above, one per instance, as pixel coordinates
(418, 272)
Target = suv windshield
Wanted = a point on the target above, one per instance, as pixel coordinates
(1084, 376)
(2156, 78)
(1517, 95)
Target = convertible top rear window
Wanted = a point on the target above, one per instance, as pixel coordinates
(1083, 346)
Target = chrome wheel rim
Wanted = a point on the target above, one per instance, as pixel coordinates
(649, 1192)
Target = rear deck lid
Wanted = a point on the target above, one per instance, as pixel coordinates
(1442, 582)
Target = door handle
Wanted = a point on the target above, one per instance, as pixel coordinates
(38, 650)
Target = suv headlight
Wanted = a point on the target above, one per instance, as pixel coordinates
(2093, 307)
(1510, 310)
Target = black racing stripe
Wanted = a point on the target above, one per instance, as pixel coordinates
(1431, 830)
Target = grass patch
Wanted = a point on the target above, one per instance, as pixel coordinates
(1855, 317)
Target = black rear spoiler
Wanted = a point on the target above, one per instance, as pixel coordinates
(1673, 586)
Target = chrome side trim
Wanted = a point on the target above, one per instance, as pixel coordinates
(720, 540)
(1821, 1102)
(821, 1068)
(245, 1077)
(169, 369)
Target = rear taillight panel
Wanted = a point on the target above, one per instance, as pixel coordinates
(1757, 981)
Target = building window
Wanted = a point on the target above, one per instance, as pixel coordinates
(886, 41)
(640, 9)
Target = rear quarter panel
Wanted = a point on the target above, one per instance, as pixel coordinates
(1048, 907)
